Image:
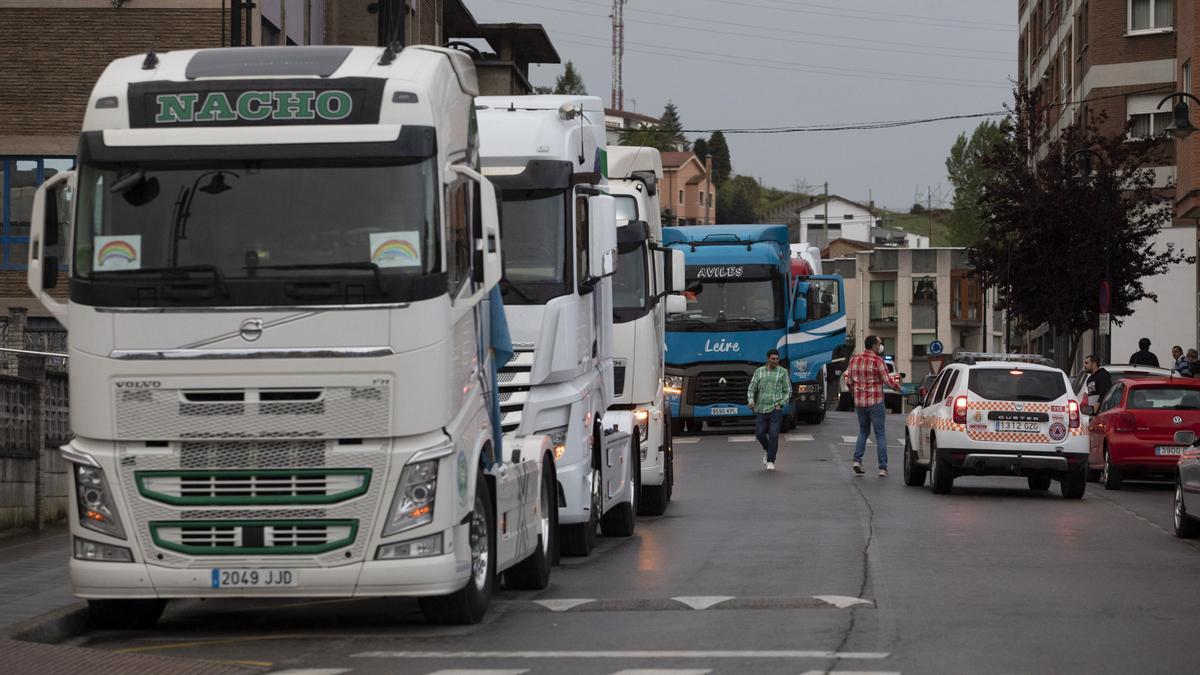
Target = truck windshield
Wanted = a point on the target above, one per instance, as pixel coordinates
(629, 285)
(249, 221)
(749, 304)
(533, 229)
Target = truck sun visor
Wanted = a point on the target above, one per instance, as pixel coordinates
(267, 62)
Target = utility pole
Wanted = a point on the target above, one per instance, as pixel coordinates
(826, 224)
(929, 210)
(618, 54)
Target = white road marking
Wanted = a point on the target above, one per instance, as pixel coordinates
(741, 439)
(610, 654)
(842, 601)
(850, 439)
(312, 671)
(461, 671)
(685, 440)
(563, 604)
(702, 601)
(662, 671)
(849, 672)
(799, 437)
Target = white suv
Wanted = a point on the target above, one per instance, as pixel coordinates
(997, 415)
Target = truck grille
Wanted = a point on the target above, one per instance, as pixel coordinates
(251, 454)
(719, 387)
(254, 537)
(250, 488)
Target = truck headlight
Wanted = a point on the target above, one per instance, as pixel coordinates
(673, 384)
(413, 504)
(414, 548)
(96, 509)
(86, 549)
(642, 419)
(558, 441)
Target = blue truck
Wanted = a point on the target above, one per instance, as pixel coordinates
(746, 294)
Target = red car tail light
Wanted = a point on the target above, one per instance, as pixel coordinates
(1073, 413)
(960, 410)
(1124, 422)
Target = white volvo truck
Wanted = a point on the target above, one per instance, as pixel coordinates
(647, 278)
(281, 272)
(547, 156)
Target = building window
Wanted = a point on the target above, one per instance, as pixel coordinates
(920, 344)
(1151, 15)
(819, 216)
(19, 180)
(681, 197)
(1186, 76)
(883, 301)
(1146, 119)
(700, 195)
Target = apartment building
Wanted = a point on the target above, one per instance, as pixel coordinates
(54, 51)
(910, 297)
(687, 194)
(1122, 57)
(616, 121)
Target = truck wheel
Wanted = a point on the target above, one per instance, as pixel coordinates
(695, 426)
(579, 539)
(468, 604)
(620, 520)
(1185, 527)
(125, 614)
(1074, 483)
(942, 478)
(654, 498)
(1040, 483)
(676, 427)
(914, 474)
(533, 573)
(1110, 475)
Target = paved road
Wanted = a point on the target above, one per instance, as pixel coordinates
(806, 569)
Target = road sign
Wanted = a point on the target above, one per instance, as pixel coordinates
(936, 347)
(1105, 298)
(1105, 324)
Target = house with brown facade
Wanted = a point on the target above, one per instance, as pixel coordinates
(687, 194)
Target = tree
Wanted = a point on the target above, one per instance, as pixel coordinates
(543, 90)
(700, 147)
(570, 83)
(968, 173)
(737, 201)
(672, 127)
(647, 137)
(722, 166)
(1047, 235)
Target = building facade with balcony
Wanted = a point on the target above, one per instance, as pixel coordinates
(910, 297)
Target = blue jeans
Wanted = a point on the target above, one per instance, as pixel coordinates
(867, 417)
(766, 430)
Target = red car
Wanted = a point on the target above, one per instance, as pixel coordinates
(1133, 431)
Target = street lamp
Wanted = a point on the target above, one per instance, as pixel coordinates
(1083, 162)
(1181, 124)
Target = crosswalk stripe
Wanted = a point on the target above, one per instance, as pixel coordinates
(468, 671)
(741, 439)
(799, 437)
(311, 671)
(849, 672)
(849, 439)
(662, 671)
(631, 654)
(685, 440)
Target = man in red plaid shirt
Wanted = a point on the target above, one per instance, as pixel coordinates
(867, 374)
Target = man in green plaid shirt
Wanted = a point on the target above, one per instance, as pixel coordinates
(770, 389)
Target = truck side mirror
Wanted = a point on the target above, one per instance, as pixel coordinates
(676, 304)
(487, 246)
(602, 236)
(43, 268)
(678, 280)
(800, 308)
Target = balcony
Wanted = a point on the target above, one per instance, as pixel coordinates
(966, 314)
(883, 314)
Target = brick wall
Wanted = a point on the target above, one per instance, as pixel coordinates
(1107, 42)
(1188, 150)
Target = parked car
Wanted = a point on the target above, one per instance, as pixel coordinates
(997, 415)
(1118, 371)
(1187, 487)
(1133, 431)
(893, 398)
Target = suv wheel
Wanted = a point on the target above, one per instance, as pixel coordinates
(942, 477)
(1074, 482)
(914, 474)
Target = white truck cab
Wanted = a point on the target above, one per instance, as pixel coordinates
(997, 414)
(546, 154)
(282, 264)
(644, 289)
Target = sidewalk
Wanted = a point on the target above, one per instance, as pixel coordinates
(33, 575)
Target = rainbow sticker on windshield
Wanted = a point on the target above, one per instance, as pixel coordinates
(396, 249)
(118, 253)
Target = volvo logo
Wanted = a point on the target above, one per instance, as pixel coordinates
(251, 329)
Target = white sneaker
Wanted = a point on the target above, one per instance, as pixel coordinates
(764, 459)
(770, 466)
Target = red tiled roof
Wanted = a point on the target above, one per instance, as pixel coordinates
(676, 159)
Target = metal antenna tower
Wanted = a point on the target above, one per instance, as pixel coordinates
(618, 54)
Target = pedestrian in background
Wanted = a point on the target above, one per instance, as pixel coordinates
(769, 391)
(867, 374)
(1193, 356)
(1143, 356)
(1099, 381)
(1182, 366)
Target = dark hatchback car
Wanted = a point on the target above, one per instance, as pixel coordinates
(1187, 487)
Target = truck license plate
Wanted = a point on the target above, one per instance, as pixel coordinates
(728, 410)
(1019, 427)
(251, 578)
(1168, 450)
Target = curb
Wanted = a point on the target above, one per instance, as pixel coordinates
(51, 627)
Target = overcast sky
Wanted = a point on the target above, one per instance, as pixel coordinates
(771, 63)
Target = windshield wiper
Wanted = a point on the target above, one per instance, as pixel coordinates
(218, 275)
(749, 319)
(687, 319)
(506, 285)
(374, 268)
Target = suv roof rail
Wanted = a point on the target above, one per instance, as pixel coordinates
(970, 358)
